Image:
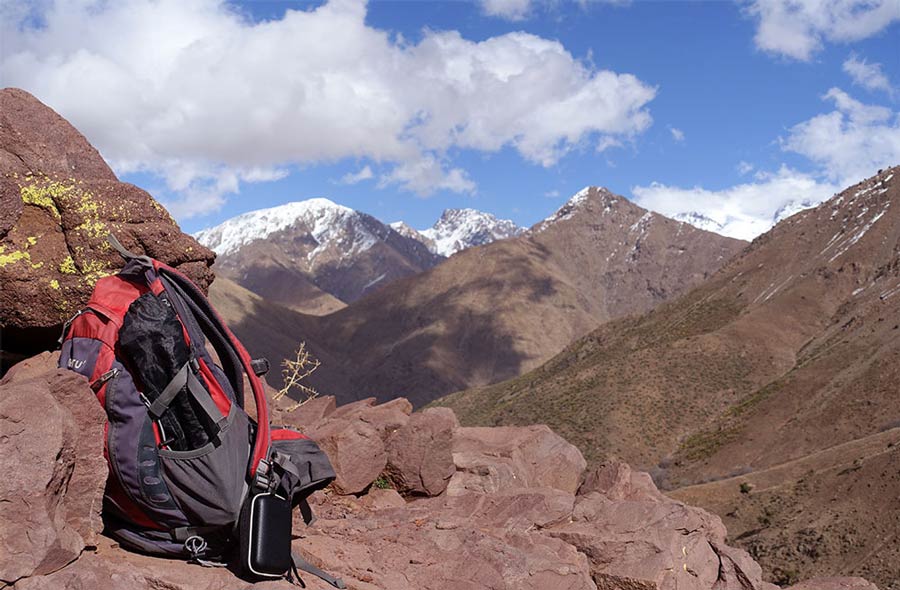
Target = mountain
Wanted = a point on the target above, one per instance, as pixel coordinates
(731, 226)
(789, 350)
(313, 256)
(491, 312)
(459, 229)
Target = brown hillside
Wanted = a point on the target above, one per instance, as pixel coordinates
(492, 312)
(791, 349)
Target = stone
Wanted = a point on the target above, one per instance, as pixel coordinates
(51, 455)
(356, 452)
(491, 459)
(420, 454)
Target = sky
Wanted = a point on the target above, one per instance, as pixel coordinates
(732, 110)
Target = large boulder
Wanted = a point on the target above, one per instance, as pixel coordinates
(637, 538)
(51, 457)
(58, 202)
(490, 459)
(420, 454)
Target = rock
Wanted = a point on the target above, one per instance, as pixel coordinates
(517, 509)
(406, 550)
(111, 568)
(832, 583)
(51, 455)
(420, 454)
(379, 499)
(637, 538)
(304, 418)
(386, 418)
(32, 367)
(356, 452)
(617, 481)
(59, 200)
(491, 459)
(510, 519)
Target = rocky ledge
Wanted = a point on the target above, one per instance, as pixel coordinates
(419, 503)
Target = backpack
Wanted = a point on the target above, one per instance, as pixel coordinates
(191, 474)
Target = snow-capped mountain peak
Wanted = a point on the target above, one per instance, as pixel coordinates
(323, 217)
(458, 229)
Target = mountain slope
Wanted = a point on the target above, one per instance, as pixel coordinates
(314, 256)
(790, 349)
(491, 312)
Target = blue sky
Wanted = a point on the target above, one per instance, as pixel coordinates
(732, 110)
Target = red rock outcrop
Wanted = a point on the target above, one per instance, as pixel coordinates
(58, 202)
(509, 518)
(51, 458)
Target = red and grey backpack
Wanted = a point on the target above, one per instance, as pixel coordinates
(191, 475)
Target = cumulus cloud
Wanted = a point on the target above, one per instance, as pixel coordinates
(514, 10)
(843, 147)
(797, 29)
(850, 143)
(742, 211)
(206, 98)
(677, 134)
(867, 75)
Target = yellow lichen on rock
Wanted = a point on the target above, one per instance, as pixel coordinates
(67, 266)
(43, 193)
(54, 284)
(14, 257)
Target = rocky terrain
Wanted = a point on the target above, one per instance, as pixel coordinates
(313, 256)
(58, 202)
(778, 376)
(419, 502)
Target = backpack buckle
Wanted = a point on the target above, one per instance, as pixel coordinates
(262, 481)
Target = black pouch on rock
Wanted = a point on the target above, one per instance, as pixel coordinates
(266, 535)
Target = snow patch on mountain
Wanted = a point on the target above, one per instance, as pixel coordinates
(458, 229)
(742, 226)
(327, 222)
(700, 221)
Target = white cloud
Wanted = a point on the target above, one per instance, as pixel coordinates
(743, 211)
(849, 143)
(554, 194)
(426, 175)
(357, 177)
(197, 93)
(677, 134)
(846, 145)
(797, 29)
(867, 75)
(514, 10)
